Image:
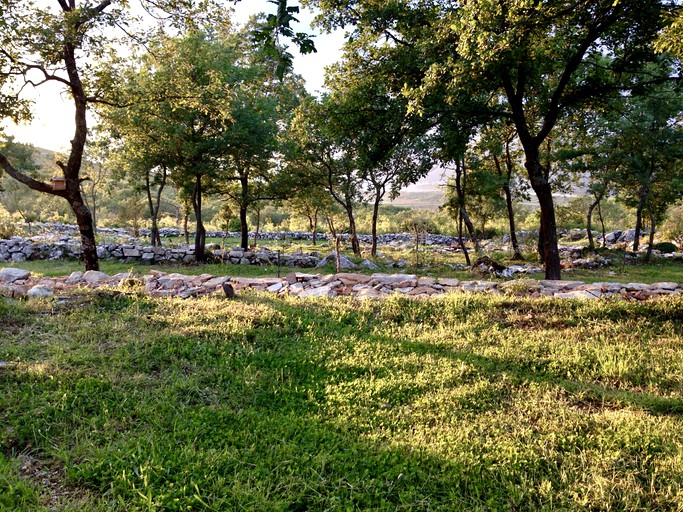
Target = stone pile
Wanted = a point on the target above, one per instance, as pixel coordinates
(18, 283)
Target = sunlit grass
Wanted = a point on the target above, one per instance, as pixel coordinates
(463, 402)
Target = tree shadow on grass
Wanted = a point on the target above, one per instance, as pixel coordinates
(198, 416)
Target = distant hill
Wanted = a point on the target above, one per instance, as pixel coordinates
(426, 194)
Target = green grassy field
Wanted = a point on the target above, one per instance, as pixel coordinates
(116, 401)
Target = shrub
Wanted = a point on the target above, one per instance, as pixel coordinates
(665, 247)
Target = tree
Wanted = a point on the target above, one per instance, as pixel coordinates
(324, 157)
(41, 45)
(533, 59)
(389, 149)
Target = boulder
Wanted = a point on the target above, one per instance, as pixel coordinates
(393, 278)
(322, 291)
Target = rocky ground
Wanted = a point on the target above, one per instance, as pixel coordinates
(19, 284)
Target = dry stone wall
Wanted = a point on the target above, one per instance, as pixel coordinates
(17, 283)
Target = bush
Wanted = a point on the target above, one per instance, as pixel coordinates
(8, 227)
(665, 247)
(673, 226)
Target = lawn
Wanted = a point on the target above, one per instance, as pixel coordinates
(116, 401)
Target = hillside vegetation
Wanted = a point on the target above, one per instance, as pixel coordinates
(115, 401)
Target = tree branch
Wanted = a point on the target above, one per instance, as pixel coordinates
(27, 180)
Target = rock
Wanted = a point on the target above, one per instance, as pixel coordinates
(353, 279)
(369, 293)
(296, 288)
(368, 264)
(9, 274)
(275, 287)
(576, 294)
(448, 281)
(426, 281)
(485, 266)
(393, 278)
(214, 282)
(74, 278)
(331, 259)
(323, 291)
(94, 277)
(664, 286)
(18, 257)
(131, 252)
(39, 292)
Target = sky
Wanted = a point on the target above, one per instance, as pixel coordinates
(53, 125)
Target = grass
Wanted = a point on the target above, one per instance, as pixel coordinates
(116, 401)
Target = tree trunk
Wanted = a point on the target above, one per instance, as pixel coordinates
(86, 230)
(155, 238)
(602, 226)
(200, 233)
(330, 224)
(460, 177)
(258, 226)
(548, 243)
(375, 216)
(244, 203)
(648, 254)
(589, 218)
(516, 253)
(314, 226)
(244, 229)
(355, 245)
(460, 240)
(642, 196)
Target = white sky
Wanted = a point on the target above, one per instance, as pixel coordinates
(53, 125)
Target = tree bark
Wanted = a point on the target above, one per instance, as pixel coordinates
(200, 233)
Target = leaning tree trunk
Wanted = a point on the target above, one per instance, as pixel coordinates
(589, 218)
(85, 229)
(200, 233)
